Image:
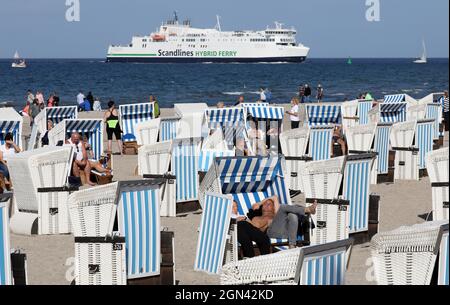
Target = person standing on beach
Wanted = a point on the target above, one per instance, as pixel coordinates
(90, 99)
(30, 97)
(111, 119)
(294, 113)
(320, 93)
(80, 100)
(262, 95)
(445, 108)
(34, 111)
(40, 98)
(301, 94)
(156, 110)
(240, 100)
(307, 93)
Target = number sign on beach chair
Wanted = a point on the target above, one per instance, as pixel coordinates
(132, 114)
(437, 167)
(314, 265)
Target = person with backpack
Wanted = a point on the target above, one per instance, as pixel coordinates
(156, 110)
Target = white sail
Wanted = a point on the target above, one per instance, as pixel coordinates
(423, 58)
(16, 55)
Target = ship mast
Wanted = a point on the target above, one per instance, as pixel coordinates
(218, 27)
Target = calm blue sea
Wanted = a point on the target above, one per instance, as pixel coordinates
(210, 83)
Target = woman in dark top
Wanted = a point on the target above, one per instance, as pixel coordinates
(112, 126)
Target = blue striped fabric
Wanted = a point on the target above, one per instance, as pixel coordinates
(434, 111)
(382, 145)
(320, 141)
(12, 127)
(57, 114)
(93, 129)
(5, 262)
(324, 269)
(207, 157)
(230, 120)
(357, 191)
(363, 111)
(185, 153)
(424, 140)
(444, 260)
(319, 115)
(168, 129)
(394, 98)
(132, 114)
(214, 227)
(393, 113)
(266, 112)
(139, 222)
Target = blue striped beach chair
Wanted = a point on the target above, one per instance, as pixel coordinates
(11, 122)
(130, 115)
(393, 112)
(213, 234)
(294, 143)
(147, 132)
(168, 129)
(363, 111)
(139, 222)
(444, 259)
(184, 165)
(320, 142)
(437, 168)
(324, 264)
(424, 140)
(231, 121)
(356, 190)
(323, 114)
(322, 181)
(434, 111)
(5, 251)
(408, 255)
(394, 98)
(382, 147)
(91, 128)
(406, 155)
(249, 180)
(56, 115)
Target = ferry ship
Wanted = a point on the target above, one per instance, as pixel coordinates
(178, 42)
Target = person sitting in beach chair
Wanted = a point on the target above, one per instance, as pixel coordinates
(6, 150)
(98, 166)
(338, 138)
(81, 159)
(269, 219)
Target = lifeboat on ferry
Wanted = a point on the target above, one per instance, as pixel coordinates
(158, 37)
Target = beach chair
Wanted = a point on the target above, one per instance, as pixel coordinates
(249, 180)
(393, 112)
(154, 162)
(11, 122)
(320, 142)
(213, 146)
(321, 182)
(5, 250)
(147, 132)
(168, 128)
(438, 167)
(293, 146)
(99, 252)
(416, 112)
(40, 190)
(184, 165)
(382, 148)
(434, 111)
(132, 114)
(139, 224)
(92, 128)
(323, 114)
(314, 265)
(356, 190)
(423, 140)
(191, 120)
(443, 270)
(407, 255)
(231, 121)
(213, 234)
(349, 111)
(364, 107)
(267, 118)
(406, 155)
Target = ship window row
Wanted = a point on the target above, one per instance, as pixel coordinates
(262, 40)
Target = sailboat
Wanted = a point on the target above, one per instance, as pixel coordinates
(423, 58)
(18, 62)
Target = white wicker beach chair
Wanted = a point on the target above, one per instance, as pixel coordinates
(438, 171)
(406, 155)
(444, 258)
(416, 112)
(39, 178)
(132, 114)
(214, 230)
(191, 122)
(147, 132)
(231, 121)
(407, 255)
(322, 181)
(314, 265)
(5, 251)
(99, 253)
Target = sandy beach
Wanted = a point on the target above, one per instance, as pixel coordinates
(50, 258)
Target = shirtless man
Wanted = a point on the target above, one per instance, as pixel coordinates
(339, 138)
(81, 159)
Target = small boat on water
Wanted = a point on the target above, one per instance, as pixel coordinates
(18, 61)
(349, 61)
(423, 58)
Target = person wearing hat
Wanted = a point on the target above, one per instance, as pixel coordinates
(319, 93)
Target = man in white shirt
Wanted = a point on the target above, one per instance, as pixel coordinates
(80, 98)
(294, 113)
(262, 95)
(7, 150)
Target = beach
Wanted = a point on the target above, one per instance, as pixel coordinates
(50, 258)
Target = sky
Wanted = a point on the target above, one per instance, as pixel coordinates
(331, 28)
